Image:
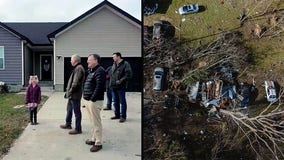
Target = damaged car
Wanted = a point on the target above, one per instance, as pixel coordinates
(270, 91)
(158, 79)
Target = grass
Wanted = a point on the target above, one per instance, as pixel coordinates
(12, 121)
(205, 25)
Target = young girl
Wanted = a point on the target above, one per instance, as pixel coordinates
(33, 98)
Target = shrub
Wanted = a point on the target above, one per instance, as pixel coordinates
(3, 87)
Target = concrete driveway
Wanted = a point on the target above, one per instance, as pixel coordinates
(46, 141)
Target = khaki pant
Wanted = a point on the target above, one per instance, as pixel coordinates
(94, 109)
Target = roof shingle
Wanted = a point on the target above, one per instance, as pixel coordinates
(36, 32)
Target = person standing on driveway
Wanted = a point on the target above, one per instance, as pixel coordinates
(108, 90)
(93, 96)
(120, 76)
(74, 95)
(33, 98)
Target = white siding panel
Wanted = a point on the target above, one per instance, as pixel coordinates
(104, 33)
(59, 74)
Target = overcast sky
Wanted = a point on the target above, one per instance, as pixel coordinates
(57, 10)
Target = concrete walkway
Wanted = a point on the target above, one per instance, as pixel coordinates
(46, 141)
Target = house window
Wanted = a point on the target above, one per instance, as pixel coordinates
(1, 57)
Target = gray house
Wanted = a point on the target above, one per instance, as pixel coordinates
(44, 49)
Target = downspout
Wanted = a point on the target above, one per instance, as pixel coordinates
(54, 63)
(23, 66)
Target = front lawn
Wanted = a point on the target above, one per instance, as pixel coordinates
(12, 120)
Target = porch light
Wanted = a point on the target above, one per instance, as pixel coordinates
(59, 57)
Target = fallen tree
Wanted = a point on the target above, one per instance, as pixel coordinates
(262, 133)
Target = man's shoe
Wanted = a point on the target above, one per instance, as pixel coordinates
(106, 109)
(75, 132)
(89, 142)
(114, 117)
(65, 126)
(32, 123)
(96, 148)
(122, 120)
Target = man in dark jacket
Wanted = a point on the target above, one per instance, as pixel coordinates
(93, 95)
(74, 95)
(120, 76)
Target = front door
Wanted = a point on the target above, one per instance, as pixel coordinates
(46, 67)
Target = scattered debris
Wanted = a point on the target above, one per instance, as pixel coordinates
(192, 92)
(257, 30)
(19, 106)
(149, 10)
(242, 17)
(151, 56)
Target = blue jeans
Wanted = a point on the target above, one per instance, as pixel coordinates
(109, 98)
(119, 101)
(74, 105)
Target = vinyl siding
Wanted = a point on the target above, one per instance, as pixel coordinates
(12, 74)
(29, 64)
(104, 32)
